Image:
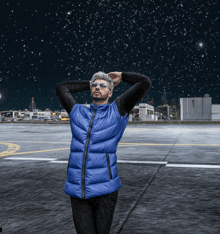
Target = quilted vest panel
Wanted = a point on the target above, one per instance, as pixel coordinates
(92, 168)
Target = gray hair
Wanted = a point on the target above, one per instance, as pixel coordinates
(103, 76)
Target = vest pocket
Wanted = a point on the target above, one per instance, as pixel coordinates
(109, 168)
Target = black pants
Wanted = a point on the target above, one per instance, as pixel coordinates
(94, 215)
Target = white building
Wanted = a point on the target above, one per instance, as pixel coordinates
(9, 114)
(216, 112)
(144, 111)
(28, 115)
(38, 114)
(197, 108)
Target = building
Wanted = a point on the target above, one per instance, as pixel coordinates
(142, 112)
(178, 111)
(146, 112)
(25, 115)
(164, 100)
(32, 105)
(41, 115)
(174, 110)
(64, 114)
(56, 115)
(163, 112)
(216, 112)
(197, 108)
(9, 115)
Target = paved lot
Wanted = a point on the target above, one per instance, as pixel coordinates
(169, 174)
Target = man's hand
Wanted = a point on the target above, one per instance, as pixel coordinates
(116, 77)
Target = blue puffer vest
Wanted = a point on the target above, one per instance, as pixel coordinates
(92, 169)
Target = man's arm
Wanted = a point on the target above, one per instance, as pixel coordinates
(140, 86)
(64, 90)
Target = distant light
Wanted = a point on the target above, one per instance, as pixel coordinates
(201, 44)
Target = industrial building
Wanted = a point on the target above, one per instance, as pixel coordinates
(197, 108)
(216, 112)
(163, 111)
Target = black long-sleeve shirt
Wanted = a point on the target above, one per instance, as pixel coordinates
(125, 102)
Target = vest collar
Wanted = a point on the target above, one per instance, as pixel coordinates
(102, 107)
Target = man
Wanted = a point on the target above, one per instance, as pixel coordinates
(92, 176)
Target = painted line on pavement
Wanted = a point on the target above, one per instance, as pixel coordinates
(40, 159)
(126, 144)
(169, 130)
(193, 165)
(123, 161)
(60, 142)
(39, 151)
(120, 143)
(159, 163)
(12, 148)
(59, 162)
(141, 162)
(53, 160)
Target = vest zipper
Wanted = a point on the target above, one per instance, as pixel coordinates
(85, 153)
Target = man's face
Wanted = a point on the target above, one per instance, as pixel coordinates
(100, 93)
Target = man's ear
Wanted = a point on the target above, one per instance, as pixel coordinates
(110, 94)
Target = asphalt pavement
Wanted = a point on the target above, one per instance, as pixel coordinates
(169, 174)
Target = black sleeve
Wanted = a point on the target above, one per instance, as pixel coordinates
(64, 90)
(140, 86)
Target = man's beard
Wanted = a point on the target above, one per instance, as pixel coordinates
(99, 99)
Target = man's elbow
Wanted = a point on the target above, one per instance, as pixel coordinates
(147, 83)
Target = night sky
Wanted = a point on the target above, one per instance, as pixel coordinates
(175, 43)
